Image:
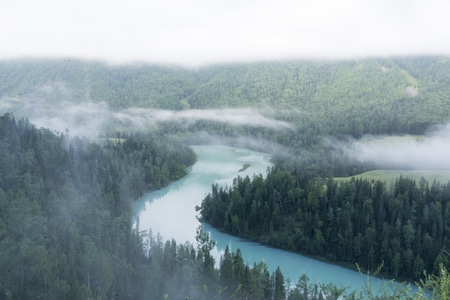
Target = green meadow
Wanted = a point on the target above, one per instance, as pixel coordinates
(389, 176)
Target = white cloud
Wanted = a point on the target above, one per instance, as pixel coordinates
(89, 119)
(428, 152)
(248, 117)
(198, 32)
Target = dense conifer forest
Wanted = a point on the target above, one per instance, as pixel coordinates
(65, 209)
(65, 200)
(356, 222)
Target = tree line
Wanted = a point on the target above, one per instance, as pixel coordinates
(404, 227)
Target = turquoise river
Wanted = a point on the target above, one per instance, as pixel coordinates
(171, 213)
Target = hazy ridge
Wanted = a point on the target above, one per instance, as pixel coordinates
(341, 97)
(279, 107)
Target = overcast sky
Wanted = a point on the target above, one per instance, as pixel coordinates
(199, 32)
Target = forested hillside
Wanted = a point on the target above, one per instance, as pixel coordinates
(399, 95)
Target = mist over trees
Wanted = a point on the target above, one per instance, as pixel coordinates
(318, 98)
(292, 105)
(65, 223)
(65, 209)
(65, 200)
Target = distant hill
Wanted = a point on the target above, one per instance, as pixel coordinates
(386, 95)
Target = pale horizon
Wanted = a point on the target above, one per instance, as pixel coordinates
(204, 32)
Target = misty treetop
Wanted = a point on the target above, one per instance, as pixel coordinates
(65, 209)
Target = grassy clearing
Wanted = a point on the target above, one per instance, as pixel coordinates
(389, 176)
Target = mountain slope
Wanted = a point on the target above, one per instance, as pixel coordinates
(398, 95)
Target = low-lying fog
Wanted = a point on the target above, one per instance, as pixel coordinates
(89, 118)
(430, 151)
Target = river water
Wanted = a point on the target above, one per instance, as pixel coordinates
(171, 212)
